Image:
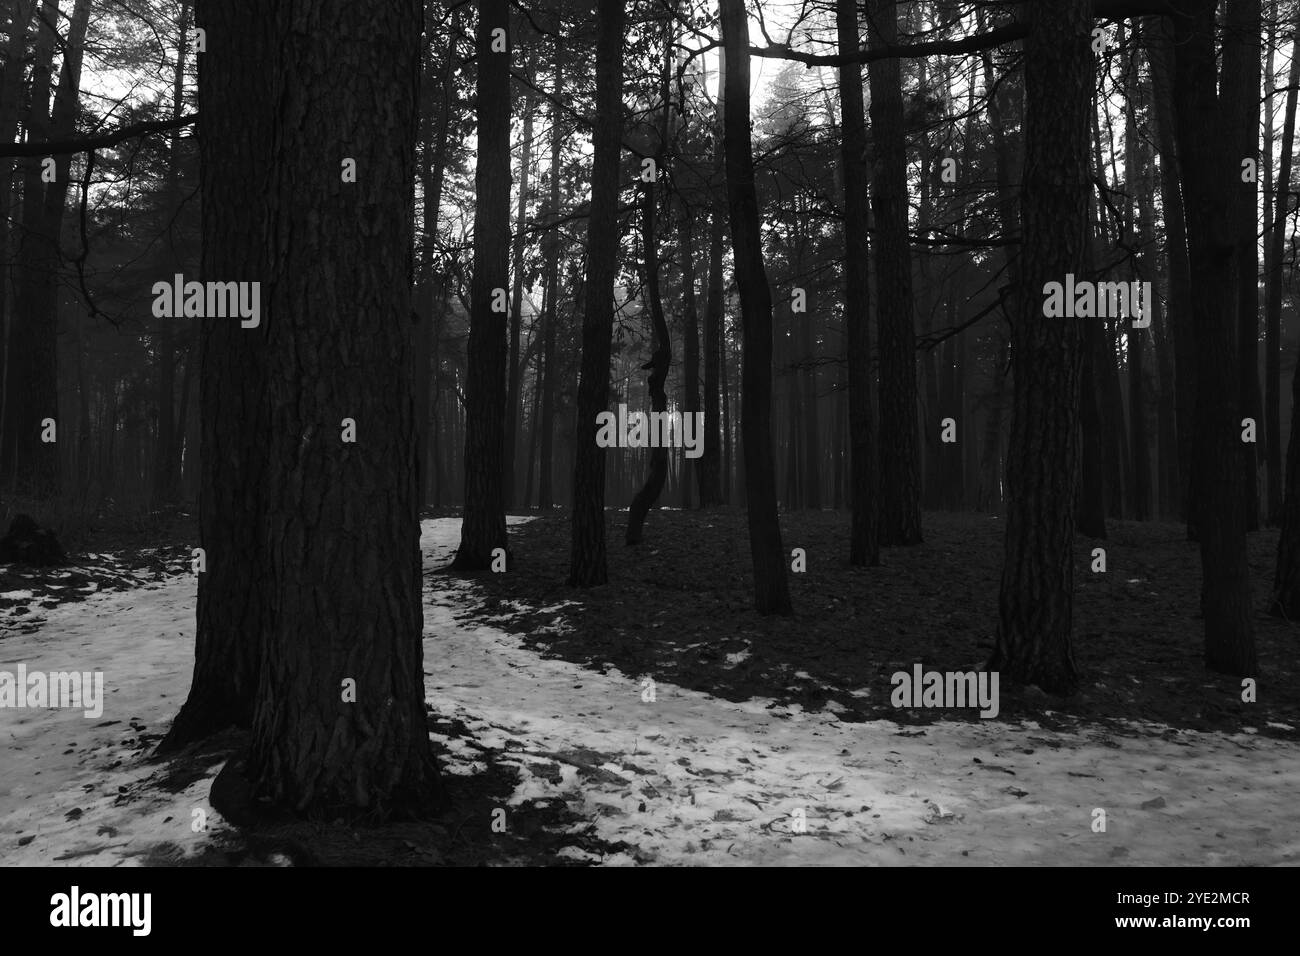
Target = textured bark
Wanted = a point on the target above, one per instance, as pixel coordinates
(864, 482)
(587, 560)
(483, 529)
(1207, 162)
(234, 614)
(341, 522)
(1036, 598)
(771, 587)
(900, 484)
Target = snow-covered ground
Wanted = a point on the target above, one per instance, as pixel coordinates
(684, 778)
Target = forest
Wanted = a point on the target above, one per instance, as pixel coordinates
(578, 432)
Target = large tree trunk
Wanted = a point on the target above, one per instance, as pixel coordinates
(234, 614)
(31, 392)
(11, 86)
(771, 588)
(900, 486)
(1036, 598)
(339, 725)
(483, 529)
(864, 534)
(587, 563)
(1208, 162)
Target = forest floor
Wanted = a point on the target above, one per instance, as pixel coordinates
(539, 704)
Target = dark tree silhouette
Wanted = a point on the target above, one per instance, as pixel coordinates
(587, 564)
(1037, 593)
(864, 534)
(900, 478)
(339, 723)
(1207, 163)
(771, 588)
(483, 529)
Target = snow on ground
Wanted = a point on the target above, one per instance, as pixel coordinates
(75, 789)
(683, 778)
(692, 779)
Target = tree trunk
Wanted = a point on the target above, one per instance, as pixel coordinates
(1137, 229)
(483, 529)
(587, 562)
(771, 588)
(811, 431)
(517, 305)
(235, 604)
(660, 360)
(339, 726)
(1207, 161)
(1240, 90)
(710, 462)
(551, 317)
(11, 94)
(1275, 246)
(166, 458)
(1005, 106)
(1181, 326)
(31, 393)
(1091, 517)
(900, 487)
(691, 347)
(1035, 602)
(864, 534)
